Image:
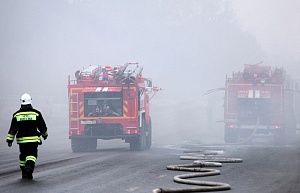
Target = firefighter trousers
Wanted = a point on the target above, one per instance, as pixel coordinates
(28, 155)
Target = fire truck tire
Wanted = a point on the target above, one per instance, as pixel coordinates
(291, 136)
(231, 136)
(286, 137)
(139, 143)
(92, 144)
(79, 145)
(290, 131)
(149, 135)
(279, 138)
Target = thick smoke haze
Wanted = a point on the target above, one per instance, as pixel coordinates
(186, 47)
(275, 26)
(274, 23)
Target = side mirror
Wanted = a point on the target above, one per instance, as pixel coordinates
(149, 83)
(148, 86)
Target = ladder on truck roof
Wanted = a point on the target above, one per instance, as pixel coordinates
(74, 111)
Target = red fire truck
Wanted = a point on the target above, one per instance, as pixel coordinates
(110, 103)
(260, 100)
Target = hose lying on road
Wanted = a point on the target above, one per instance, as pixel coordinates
(202, 160)
(212, 159)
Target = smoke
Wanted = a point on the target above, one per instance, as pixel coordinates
(275, 26)
(186, 47)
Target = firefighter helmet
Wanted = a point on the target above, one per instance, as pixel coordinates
(26, 99)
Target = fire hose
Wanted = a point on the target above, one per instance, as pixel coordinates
(201, 161)
(250, 136)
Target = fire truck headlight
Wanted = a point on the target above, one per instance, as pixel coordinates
(99, 121)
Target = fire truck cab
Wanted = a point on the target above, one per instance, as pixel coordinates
(110, 103)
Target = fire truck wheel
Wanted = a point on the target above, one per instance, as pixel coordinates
(290, 130)
(92, 144)
(279, 138)
(149, 135)
(231, 136)
(139, 143)
(79, 145)
(286, 137)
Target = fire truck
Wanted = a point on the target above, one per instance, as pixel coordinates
(108, 102)
(259, 101)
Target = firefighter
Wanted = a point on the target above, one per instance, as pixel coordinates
(27, 125)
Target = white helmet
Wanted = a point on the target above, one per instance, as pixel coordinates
(26, 99)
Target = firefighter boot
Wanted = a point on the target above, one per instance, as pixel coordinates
(24, 175)
(28, 173)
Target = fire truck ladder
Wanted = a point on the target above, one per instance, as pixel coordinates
(74, 110)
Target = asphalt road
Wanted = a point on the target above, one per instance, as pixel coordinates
(114, 168)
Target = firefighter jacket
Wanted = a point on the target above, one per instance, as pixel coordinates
(28, 124)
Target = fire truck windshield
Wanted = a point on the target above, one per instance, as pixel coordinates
(103, 104)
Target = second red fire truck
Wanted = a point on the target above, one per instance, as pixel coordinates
(261, 100)
(110, 103)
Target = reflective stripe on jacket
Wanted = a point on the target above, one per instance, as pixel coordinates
(27, 125)
(28, 139)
